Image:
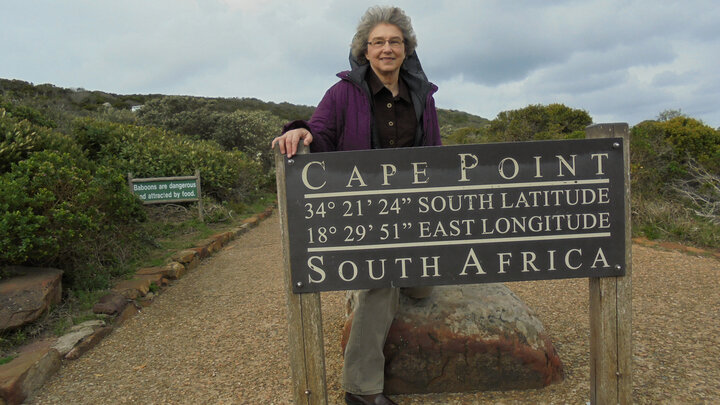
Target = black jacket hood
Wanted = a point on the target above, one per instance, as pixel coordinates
(410, 67)
(412, 72)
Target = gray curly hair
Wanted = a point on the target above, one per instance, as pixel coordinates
(382, 15)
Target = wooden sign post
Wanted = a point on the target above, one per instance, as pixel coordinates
(460, 215)
(305, 334)
(611, 305)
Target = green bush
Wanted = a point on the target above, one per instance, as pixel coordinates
(692, 139)
(536, 122)
(56, 213)
(661, 151)
(151, 152)
(23, 112)
(19, 138)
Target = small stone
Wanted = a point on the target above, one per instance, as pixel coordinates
(185, 256)
(202, 251)
(133, 288)
(192, 264)
(92, 324)
(224, 237)
(153, 278)
(174, 270)
(67, 342)
(211, 245)
(126, 314)
(110, 304)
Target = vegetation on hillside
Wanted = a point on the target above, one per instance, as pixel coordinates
(64, 162)
(675, 168)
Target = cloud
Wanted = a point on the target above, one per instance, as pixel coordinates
(619, 60)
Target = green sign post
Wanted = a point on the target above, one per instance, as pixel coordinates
(166, 190)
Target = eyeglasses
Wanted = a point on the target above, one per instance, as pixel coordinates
(379, 43)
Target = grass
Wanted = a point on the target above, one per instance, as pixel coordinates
(670, 220)
(154, 288)
(7, 359)
(12, 339)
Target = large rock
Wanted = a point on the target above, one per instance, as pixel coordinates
(25, 297)
(466, 338)
(20, 378)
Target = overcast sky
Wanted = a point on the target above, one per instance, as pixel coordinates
(621, 61)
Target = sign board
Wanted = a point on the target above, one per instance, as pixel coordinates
(166, 190)
(456, 214)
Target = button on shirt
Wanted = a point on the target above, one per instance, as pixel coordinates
(394, 116)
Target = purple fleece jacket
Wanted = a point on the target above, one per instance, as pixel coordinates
(343, 119)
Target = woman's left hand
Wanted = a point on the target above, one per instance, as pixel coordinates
(288, 142)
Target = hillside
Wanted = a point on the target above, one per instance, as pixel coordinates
(81, 102)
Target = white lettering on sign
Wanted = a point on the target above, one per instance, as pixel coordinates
(305, 180)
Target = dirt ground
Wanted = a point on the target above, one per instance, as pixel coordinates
(219, 336)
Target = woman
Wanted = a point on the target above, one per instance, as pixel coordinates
(384, 101)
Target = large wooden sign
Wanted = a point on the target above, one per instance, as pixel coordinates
(456, 214)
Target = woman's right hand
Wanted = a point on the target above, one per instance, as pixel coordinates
(288, 142)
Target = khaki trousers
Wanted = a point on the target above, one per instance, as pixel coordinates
(364, 366)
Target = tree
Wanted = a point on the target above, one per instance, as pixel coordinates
(667, 115)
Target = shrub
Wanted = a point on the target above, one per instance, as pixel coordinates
(662, 151)
(55, 212)
(19, 138)
(250, 132)
(535, 122)
(22, 112)
(692, 139)
(151, 152)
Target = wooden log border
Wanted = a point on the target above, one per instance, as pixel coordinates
(610, 310)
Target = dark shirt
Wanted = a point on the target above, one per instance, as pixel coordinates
(394, 116)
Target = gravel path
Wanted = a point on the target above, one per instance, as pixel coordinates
(219, 336)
